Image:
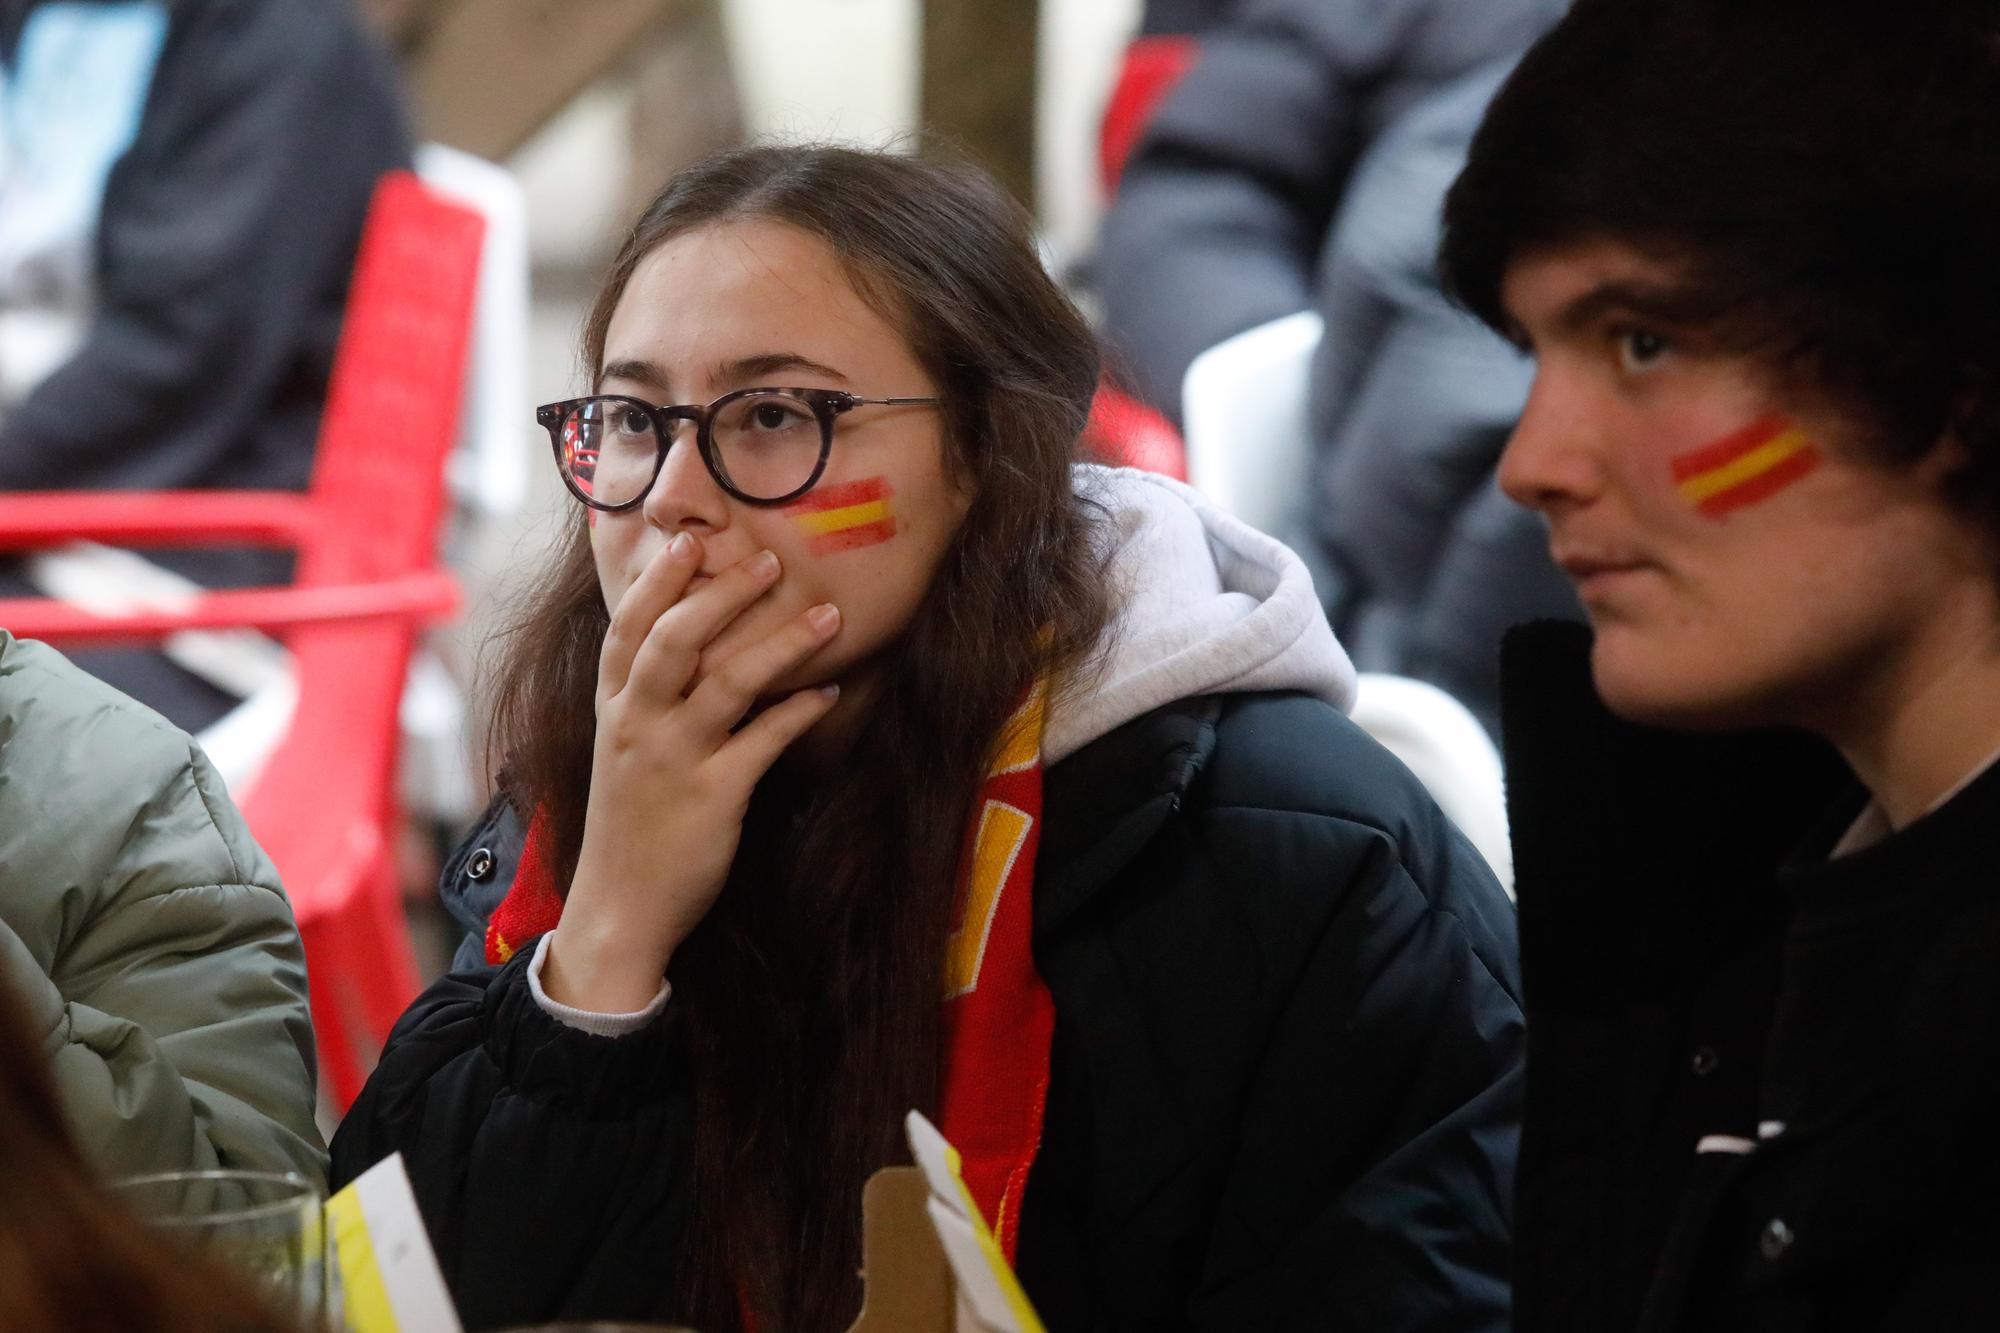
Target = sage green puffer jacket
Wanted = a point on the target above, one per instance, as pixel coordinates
(148, 934)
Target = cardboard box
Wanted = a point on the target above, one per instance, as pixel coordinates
(929, 1264)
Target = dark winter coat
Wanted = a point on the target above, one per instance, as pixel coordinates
(224, 244)
(1285, 1075)
(1760, 1082)
(1224, 208)
(1302, 165)
(1177, 18)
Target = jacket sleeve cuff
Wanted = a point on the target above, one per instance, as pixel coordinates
(584, 1020)
(544, 1059)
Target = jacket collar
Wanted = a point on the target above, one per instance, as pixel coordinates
(1105, 802)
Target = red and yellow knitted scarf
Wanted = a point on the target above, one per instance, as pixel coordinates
(999, 1020)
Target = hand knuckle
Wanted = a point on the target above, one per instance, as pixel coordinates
(736, 681)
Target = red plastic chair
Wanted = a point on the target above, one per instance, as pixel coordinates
(1125, 431)
(366, 532)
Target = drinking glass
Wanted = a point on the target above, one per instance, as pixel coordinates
(268, 1226)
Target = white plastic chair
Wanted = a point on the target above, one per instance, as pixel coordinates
(1243, 409)
(1249, 448)
(1440, 741)
(487, 472)
(489, 469)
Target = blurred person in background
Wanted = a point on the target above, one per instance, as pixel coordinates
(1220, 1011)
(182, 187)
(1301, 165)
(1157, 57)
(71, 1257)
(145, 936)
(1187, 17)
(1756, 806)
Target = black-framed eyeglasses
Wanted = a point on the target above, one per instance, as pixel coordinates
(763, 446)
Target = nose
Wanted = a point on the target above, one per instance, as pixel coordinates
(685, 498)
(1549, 462)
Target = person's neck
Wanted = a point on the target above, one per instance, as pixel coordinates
(1932, 718)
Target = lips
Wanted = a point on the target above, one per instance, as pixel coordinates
(1581, 566)
(1599, 575)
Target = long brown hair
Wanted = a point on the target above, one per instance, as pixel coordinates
(70, 1256)
(811, 994)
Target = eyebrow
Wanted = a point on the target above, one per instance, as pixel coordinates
(752, 367)
(1680, 307)
(726, 372)
(638, 372)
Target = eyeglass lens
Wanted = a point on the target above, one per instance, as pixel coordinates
(767, 444)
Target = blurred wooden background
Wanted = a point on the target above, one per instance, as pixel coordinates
(485, 75)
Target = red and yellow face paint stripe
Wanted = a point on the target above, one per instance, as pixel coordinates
(845, 517)
(1740, 469)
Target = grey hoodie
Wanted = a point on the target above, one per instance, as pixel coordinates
(1206, 605)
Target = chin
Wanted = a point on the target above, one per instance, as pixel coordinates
(1656, 686)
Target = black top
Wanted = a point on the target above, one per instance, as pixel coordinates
(1284, 1082)
(1831, 1028)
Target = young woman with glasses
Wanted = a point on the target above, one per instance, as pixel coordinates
(865, 752)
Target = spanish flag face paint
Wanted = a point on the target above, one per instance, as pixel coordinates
(846, 517)
(1746, 467)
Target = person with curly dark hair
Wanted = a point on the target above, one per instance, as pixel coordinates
(1751, 246)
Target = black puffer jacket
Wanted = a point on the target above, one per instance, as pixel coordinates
(1285, 1077)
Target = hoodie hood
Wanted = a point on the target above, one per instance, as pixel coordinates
(1205, 604)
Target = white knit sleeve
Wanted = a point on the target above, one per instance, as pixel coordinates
(601, 1025)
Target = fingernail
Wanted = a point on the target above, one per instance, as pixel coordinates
(681, 546)
(824, 616)
(829, 692)
(764, 564)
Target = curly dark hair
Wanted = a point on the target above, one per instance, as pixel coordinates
(1823, 174)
